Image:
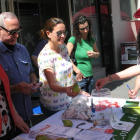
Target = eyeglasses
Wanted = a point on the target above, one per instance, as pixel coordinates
(59, 33)
(12, 32)
(82, 29)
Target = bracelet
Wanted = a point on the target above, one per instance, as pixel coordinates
(110, 78)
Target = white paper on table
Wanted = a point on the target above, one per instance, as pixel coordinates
(120, 125)
(19, 138)
(104, 129)
(56, 130)
(92, 135)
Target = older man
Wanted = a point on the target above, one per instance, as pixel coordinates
(16, 62)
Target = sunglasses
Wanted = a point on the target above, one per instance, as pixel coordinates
(82, 29)
(12, 32)
(59, 33)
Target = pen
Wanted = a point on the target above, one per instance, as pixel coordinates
(92, 108)
(129, 89)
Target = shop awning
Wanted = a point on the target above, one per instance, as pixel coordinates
(88, 11)
(91, 9)
(137, 14)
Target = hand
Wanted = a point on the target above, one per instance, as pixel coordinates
(138, 98)
(34, 84)
(21, 124)
(92, 54)
(132, 94)
(69, 92)
(24, 88)
(79, 76)
(84, 93)
(100, 83)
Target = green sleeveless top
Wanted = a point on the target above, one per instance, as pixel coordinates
(84, 63)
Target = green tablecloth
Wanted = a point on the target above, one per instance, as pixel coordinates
(125, 135)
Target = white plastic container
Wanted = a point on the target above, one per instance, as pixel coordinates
(103, 92)
(103, 106)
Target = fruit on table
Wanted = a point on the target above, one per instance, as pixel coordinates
(41, 137)
(61, 139)
(67, 123)
(76, 88)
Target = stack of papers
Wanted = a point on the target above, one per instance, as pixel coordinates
(92, 135)
(131, 107)
(54, 132)
(120, 125)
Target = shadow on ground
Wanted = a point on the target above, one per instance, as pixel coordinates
(116, 84)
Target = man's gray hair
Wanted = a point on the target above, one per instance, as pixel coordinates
(5, 15)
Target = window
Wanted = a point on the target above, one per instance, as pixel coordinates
(128, 8)
(88, 8)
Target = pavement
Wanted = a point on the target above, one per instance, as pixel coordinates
(118, 89)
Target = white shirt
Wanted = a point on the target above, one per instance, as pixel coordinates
(63, 70)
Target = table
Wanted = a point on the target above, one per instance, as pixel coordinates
(56, 120)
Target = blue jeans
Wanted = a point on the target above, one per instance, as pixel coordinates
(86, 84)
(46, 111)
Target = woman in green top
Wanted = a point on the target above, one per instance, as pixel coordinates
(86, 49)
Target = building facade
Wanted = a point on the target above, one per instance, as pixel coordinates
(112, 24)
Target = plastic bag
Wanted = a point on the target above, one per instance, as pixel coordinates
(79, 109)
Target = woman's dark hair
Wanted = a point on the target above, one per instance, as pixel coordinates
(49, 26)
(81, 19)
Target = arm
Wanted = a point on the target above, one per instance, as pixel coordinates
(20, 123)
(23, 87)
(127, 73)
(34, 59)
(70, 47)
(137, 84)
(54, 86)
(136, 89)
(79, 75)
(33, 77)
(94, 53)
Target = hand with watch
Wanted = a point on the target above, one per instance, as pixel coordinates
(101, 82)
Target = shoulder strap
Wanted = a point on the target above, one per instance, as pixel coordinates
(72, 56)
(75, 46)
